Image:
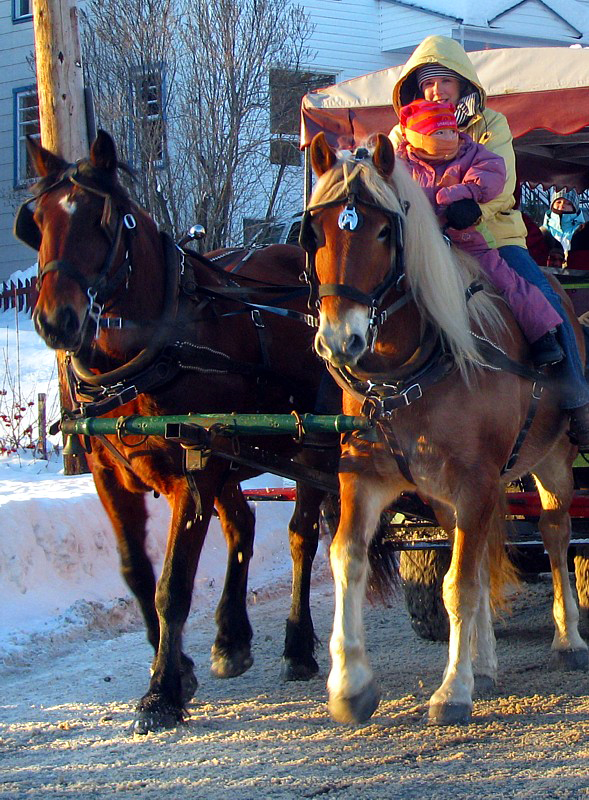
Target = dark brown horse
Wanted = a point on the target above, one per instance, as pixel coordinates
(411, 350)
(144, 336)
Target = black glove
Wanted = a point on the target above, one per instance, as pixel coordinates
(462, 214)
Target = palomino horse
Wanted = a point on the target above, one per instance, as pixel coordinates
(145, 337)
(395, 328)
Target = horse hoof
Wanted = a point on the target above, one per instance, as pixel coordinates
(155, 714)
(188, 686)
(569, 660)
(357, 709)
(188, 681)
(230, 665)
(449, 714)
(292, 670)
(484, 685)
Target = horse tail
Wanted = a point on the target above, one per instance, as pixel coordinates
(502, 572)
(383, 578)
(383, 565)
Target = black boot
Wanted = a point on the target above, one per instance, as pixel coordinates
(579, 430)
(546, 350)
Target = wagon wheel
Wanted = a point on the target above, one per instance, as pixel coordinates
(582, 580)
(422, 572)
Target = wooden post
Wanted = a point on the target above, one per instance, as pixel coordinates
(60, 82)
(42, 425)
(62, 115)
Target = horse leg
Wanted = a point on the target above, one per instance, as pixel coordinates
(555, 485)
(128, 517)
(353, 695)
(451, 703)
(298, 661)
(163, 704)
(230, 653)
(482, 645)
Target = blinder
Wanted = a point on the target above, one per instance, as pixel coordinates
(25, 227)
(351, 220)
(115, 224)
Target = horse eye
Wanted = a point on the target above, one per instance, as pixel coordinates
(384, 233)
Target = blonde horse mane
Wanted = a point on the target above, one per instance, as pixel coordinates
(438, 275)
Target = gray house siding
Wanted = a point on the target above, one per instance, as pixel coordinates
(402, 27)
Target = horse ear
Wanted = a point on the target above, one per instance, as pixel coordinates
(383, 157)
(103, 153)
(322, 156)
(44, 161)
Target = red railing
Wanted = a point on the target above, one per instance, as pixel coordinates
(21, 295)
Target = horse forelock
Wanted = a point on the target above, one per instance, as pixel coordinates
(438, 275)
(102, 180)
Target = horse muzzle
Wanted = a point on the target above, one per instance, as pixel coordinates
(343, 343)
(61, 330)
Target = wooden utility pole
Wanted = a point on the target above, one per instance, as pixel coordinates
(60, 82)
(62, 114)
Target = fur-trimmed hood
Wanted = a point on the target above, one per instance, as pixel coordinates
(435, 50)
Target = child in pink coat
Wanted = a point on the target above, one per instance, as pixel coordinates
(457, 174)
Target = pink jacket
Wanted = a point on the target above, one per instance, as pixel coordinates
(475, 173)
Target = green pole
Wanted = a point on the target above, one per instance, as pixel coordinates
(246, 424)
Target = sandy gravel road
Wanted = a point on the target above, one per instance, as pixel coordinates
(64, 720)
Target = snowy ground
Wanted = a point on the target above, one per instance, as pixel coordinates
(59, 575)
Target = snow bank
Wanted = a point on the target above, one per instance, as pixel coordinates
(59, 567)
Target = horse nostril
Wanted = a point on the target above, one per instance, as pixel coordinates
(62, 330)
(355, 345)
(67, 322)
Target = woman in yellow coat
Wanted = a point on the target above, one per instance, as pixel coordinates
(440, 70)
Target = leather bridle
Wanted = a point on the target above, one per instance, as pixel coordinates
(351, 220)
(103, 286)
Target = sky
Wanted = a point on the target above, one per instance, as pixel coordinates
(59, 572)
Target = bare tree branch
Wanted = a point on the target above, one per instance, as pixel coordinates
(183, 85)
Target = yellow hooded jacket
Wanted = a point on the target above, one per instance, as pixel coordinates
(488, 128)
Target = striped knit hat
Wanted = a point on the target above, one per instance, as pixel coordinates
(435, 71)
(425, 117)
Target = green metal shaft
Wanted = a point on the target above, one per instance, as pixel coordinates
(248, 424)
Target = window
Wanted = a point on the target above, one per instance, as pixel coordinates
(149, 127)
(285, 151)
(287, 88)
(21, 10)
(26, 123)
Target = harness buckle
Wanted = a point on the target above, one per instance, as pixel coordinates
(129, 222)
(372, 408)
(412, 393)
(111, 322)
(127, 394)
(94, 310)
(257, 318)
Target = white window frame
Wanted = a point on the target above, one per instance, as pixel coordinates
(22, 127)
(18, 15)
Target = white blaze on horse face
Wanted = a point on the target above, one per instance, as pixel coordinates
(69, 206)
(342, 340)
